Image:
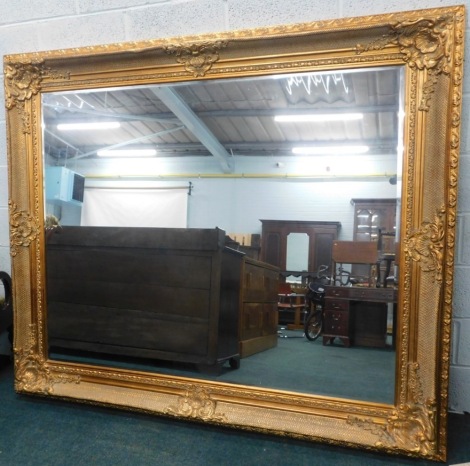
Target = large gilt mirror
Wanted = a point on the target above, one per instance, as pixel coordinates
(171, 200)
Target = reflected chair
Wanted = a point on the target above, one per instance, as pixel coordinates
(354, 252)
(384, 255)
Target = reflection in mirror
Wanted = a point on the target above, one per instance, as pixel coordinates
(297, 253)
(213, 157)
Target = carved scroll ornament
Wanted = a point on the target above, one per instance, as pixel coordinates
(197, 404)
(23, 229)
(22, 81)
(197, 58)
(32, 373)
(425, 45)
(426, 245)
(411, 426)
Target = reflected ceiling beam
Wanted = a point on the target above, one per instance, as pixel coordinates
(182, 110)
(63, 141)
(271, 148)
(263, 149)
(298, 111)
(376, 146)
(168, 118)
(127, 143)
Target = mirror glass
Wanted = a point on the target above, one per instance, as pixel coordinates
(222, 154)
(297, 253)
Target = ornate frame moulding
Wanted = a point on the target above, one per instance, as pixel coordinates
(23, 81)
(411, 427)
(426, 246)
(197, 58)
(23, 229)
(428, 46)
(197, 403)
(32, 373)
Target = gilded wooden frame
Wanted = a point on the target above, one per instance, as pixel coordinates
(429, 44)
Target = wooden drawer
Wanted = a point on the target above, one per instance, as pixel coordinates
(357, 293)
(336, 304)
(336, 323)
(372, 294)
(337, 291)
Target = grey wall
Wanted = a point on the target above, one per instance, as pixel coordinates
(30, 25)
(238, 205)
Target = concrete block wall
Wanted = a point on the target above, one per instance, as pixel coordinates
(32, 25)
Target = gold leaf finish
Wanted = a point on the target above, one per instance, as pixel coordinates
(428, 46)
(197, 58)
(425, 44)
(411, 426)
(197, 404)
(32, 374)
(22, 81)
(23, 229)
(426, 245)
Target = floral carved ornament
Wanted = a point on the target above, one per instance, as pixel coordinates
(425, 45)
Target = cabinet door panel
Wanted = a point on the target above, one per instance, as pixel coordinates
(323, 244)
(273, 250)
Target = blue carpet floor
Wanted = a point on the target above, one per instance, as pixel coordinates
(295, 364)
(37, 432)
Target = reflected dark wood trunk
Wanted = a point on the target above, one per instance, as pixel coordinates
(170, 294)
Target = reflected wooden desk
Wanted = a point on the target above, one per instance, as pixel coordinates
(358, 315)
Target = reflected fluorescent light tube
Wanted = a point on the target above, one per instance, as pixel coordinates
(127, 153)
(319, 117)
(88, 126)
(316, 150)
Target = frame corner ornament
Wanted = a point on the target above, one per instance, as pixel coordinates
(411, 427)
(425, 45)
(196, 403)
(32, 374)
(426, 245)
(23, 80)
(23, 228)
(197, 58)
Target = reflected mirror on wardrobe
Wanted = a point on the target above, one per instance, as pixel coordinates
(297, 253)
(206, 106)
